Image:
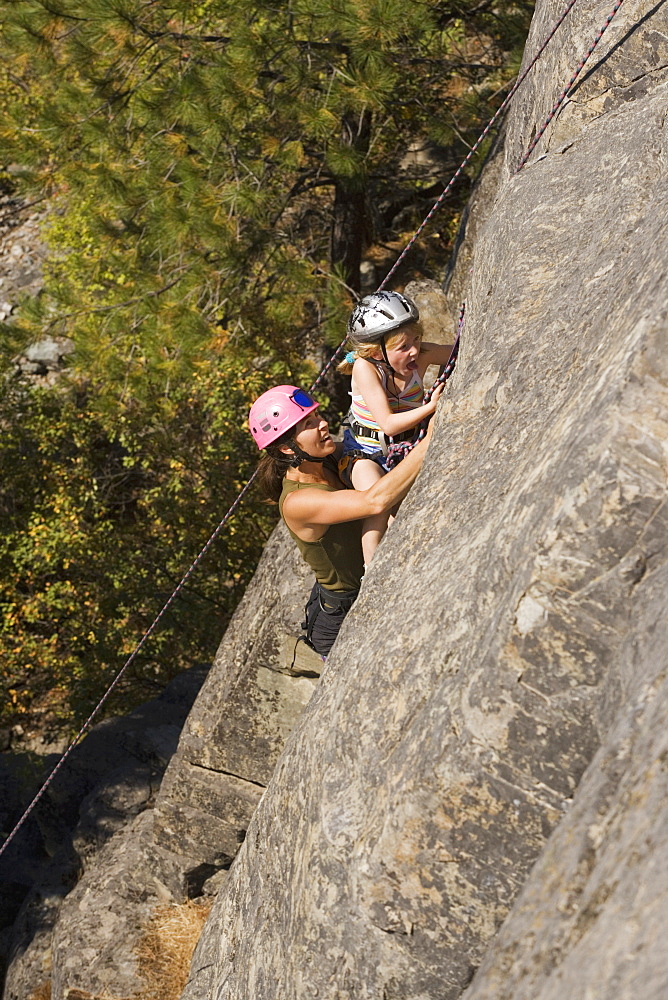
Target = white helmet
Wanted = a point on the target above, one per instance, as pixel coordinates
(378, 314)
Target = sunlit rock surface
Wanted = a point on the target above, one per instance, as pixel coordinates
(472, 801)
(495, 698)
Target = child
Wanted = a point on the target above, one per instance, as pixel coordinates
(387, 363)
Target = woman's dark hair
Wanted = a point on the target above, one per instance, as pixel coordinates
(272, 468)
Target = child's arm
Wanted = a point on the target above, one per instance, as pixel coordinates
(370, 388)
(433, 354)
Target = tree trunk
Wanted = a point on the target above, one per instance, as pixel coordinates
(349, 221)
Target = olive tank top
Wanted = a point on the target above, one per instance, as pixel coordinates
(336, 558)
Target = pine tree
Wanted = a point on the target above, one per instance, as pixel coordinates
(214, 156)
(216, 172)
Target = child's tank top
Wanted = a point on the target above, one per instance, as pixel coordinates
(408, 399)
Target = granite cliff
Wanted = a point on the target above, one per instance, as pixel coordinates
(471, 800)
(484, 749)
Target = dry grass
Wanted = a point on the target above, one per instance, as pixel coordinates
(42, 992)
(166, 950)
(164, 953)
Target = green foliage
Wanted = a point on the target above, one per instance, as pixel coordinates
(98, 523)
(198, 159)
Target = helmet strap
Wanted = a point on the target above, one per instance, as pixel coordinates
(301, 456)
(385, 357)
(391, 372)
(378, 365)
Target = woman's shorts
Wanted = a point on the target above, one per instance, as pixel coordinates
(324, 614)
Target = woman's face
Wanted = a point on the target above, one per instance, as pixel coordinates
(312, 435)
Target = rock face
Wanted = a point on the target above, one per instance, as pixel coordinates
(21, 252)
(490, 717)
(131, 852)
(589, 922)
(484, 751)
(22, 255)
(251, 702)
(108, 781)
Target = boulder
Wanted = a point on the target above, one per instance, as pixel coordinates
(49, 354)
(22, 252)
(108, 781)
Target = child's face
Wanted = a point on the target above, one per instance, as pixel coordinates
(404, 350)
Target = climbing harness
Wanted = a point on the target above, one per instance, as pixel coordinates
(442, 378)
(360, 430)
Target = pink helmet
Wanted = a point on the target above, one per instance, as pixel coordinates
(276, 411)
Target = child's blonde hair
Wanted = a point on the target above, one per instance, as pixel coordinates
(369, 350)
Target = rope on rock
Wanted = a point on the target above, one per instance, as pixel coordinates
(565, 92)
(502, 107)
(398, 451)
(449, 367)
(441, 198)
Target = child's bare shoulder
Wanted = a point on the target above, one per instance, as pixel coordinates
(365, 373)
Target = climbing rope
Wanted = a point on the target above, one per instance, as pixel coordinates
(565, 92)
(446, 190)
(399, 450)
(442, 378)
(490, 124)
(149, 631)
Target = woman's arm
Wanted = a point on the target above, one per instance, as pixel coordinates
(370, 388)
(310, 512)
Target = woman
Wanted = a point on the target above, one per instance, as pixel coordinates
(299, 472)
